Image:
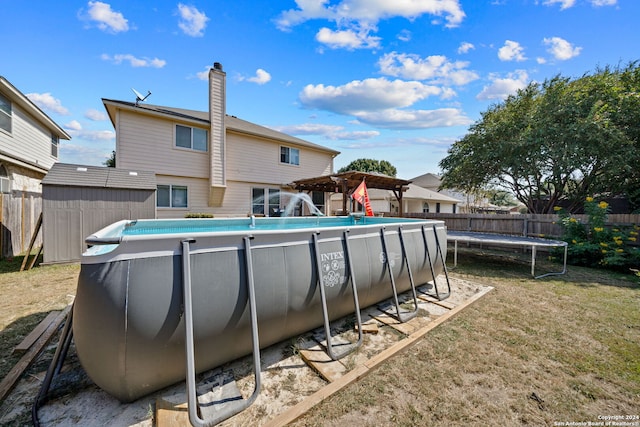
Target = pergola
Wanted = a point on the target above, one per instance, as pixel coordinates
(347, 182)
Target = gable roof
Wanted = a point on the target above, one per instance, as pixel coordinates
(26, 104)
(71, 175)
(201, 118)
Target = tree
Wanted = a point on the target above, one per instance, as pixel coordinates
(111, 160)
(562, 139)
(370, 165)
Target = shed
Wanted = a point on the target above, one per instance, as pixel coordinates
(78, 200)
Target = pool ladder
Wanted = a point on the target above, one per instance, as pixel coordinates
(405, 316)
(231, 408)
(347, 348)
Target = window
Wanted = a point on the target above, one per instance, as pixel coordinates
(425, 207)
(455, 208)
(5, 181)
(171, 196)
(265, 201)
(54, 145)
(191, 138)
(290, 156)
(437, 207)
(5, 114)
(317, 197)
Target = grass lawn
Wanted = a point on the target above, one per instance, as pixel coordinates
(531, 352)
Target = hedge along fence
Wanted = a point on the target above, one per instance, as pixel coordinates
(528, 225)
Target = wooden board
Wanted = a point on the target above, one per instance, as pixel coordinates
(429, 298)
(298, 410)
(13, 376)
(35, 333)
(317, 358)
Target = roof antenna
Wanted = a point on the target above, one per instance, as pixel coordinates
(139, 97)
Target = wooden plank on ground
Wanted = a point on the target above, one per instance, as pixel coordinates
(14, 375)
(429, 298)
(35, 333)
(317, 358)
(298, 410)
(170, 414)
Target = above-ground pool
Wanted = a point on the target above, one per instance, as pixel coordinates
(130, 308)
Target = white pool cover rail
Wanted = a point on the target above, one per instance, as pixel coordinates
(507, 240)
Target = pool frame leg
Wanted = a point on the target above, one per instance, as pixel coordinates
(231, 408)
(407, 315)
(438, 295)
(347, 349)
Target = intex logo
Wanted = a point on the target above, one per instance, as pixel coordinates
(332, 268)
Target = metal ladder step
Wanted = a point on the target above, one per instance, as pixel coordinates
(438, 295)
(345, 349)
(402, 316)
(233, 407)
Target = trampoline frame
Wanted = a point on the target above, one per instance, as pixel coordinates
(508, 240)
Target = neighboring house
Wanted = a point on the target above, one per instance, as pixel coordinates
(29, 146)
(467, 203)
(414, 200)
(209, 162)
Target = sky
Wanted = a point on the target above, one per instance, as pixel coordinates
(395, 80)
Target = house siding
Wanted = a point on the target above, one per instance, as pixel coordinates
(29, 140)
(258, 160)
(147, 143)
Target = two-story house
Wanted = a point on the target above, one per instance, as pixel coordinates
(29, 146)
(210, 162)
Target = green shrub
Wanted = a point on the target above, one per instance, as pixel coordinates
(594, 244)
(198, 215)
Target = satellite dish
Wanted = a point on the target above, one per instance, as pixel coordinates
(139, 97)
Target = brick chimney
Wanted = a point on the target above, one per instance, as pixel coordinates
(217, 134)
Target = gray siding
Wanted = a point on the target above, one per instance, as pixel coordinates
(70, 214)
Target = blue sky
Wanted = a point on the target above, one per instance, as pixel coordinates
(395, 80)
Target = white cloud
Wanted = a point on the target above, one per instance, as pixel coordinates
(370, 11)
(355, 19)
(414, 119)
(261, 77)
(404, 35)
(599, 3)
(366, 95)
(134, 61)
(501, 87)
(105, 18)
(73, 125)
(561, 49)
(332, 132)
(437, 68)
(46, 102)
(465, 47)
(192, 22)
(95, 115)
(511, 51)
(348, 39)
(564, 4)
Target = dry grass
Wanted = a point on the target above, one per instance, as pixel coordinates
(532, 352)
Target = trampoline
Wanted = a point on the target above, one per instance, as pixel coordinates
(507, 240)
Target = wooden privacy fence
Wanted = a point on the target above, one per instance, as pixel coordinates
(528, 225)
(19, 214)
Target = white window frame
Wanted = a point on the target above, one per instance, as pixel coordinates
(289, 156)
(191, 138)
(173, 188)
(55, 145)
(265, 208)
(6, 112)
(5, 180)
